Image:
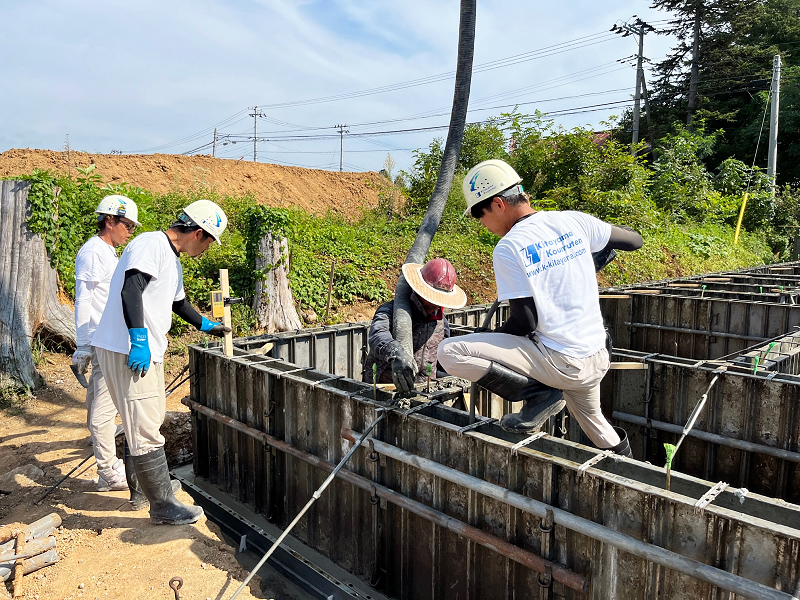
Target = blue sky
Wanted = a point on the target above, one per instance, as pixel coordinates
(158, 76)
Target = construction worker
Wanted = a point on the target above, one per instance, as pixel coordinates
(434, 288)
(94, 265)
(554, 339)
(130, 341)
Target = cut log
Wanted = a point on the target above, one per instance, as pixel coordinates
(28, 290)
(273, 302)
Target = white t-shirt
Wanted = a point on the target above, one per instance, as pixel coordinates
(548, 256)
(94, 266)
(150, 253)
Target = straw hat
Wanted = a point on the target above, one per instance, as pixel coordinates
(435, 282)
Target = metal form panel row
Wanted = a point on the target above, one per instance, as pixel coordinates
(264, 429)
(748, 434)
(693, 327)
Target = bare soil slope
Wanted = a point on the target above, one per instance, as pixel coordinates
(315, 191)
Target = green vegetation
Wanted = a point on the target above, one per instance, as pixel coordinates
(736, 44)
(685, 213)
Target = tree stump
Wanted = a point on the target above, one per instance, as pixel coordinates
(28, 290)
(273, 302)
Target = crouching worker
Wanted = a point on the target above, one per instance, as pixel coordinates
(433, 289)
(554, 339)
(94, 266)
(130, 341)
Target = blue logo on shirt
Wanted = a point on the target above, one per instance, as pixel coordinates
(531, 255)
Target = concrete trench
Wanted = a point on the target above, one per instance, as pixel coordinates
(268, 426)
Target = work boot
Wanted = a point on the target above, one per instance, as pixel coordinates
(152, 473)
(138, 500)
(539, 401)
(623, 448)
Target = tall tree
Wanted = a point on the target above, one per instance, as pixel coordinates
(722, 75)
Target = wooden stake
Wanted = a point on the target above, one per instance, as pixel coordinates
(226, 315)
(19, 568)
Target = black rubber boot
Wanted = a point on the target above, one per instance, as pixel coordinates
(153, 475)
(539, 401)
(138, 500)
(623, 448)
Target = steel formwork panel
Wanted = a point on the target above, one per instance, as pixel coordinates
(692, 327)
(760, 408)
(409, 557)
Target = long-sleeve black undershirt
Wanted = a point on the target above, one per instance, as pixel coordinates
(133, 309)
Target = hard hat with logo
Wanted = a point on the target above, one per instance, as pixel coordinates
(435, 281)
(119, 206)
(488, 179)
(207, 215)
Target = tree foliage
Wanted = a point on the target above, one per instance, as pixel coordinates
(736, 45)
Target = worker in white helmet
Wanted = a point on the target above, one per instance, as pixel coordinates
(554, 339)
(94, 265)
(130, 341)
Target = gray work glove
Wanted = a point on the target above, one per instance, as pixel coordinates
(404, 367)
(82, 358)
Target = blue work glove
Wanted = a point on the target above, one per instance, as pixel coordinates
(139, 356)
(214, 328)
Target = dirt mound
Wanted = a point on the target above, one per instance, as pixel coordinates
(315, 191)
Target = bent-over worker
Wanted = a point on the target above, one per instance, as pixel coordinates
(433, 289)
(554, 339)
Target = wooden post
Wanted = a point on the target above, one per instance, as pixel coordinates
(19, 567)
(226, 315)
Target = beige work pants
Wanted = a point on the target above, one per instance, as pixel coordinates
(100, 415)
(469, 357)
(140, 400)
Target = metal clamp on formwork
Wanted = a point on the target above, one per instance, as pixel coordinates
(474, 425)
(423, 406)
(593, 461)
(709, 497)
(316, 384)
(298, 370)
(515, 448)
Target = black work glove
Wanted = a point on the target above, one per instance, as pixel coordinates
(404, 367)
(219, 330)
(603, 258)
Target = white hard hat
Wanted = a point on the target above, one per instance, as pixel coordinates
(486, 180)
(119, 206)
(210, 217)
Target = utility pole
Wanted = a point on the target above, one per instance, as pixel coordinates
(342, 131)
(773, 121)
(255, 114)
(214, 145)
(640, 28)
(695, 73)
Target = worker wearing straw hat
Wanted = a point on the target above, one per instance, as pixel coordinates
(434, 289)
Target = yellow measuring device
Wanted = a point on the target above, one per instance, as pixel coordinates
(217, 304)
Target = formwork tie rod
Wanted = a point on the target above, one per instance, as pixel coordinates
(315, 496)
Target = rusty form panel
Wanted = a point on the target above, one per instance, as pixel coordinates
(408, 556)
(693, 327)
(748, 434)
